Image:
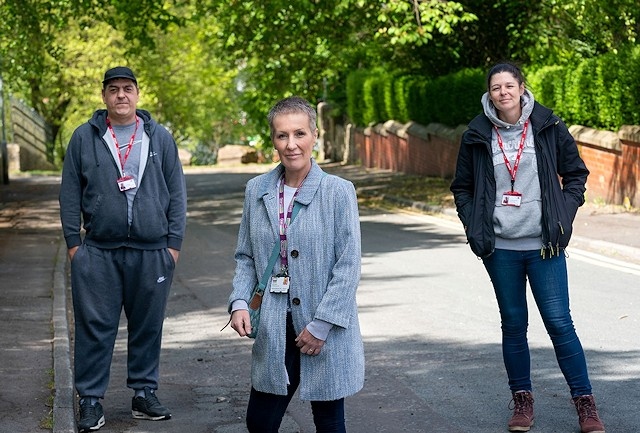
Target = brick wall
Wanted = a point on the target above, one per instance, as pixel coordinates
(614, 162)
(409, 148)
(613, 158)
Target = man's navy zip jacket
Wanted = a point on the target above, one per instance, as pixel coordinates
(89, 192)
(474, 187)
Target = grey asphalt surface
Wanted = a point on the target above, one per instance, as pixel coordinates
(35, 320)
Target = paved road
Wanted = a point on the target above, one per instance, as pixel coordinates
(430, 320)
(428, 316)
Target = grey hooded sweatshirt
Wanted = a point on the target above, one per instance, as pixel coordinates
(516, 227)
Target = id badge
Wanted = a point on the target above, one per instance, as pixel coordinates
(126, 183)
(511, 198)
(280, 284)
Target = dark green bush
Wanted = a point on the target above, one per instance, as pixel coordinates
(400, 85)
(391, 98)
(416, 100)
(601, 92)
(451, 100)
(628, 69)
(374, 110)
(355, 95)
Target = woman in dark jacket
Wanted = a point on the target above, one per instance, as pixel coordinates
(519, 182)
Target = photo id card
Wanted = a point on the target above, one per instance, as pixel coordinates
(126, 183)
(511, 198)
(280, 284)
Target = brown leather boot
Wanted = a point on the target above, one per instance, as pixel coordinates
(522, 418)
(588, 414)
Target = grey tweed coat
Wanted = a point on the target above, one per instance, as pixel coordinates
(325, 273)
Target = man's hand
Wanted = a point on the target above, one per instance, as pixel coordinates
(72, 252)
(175, 254)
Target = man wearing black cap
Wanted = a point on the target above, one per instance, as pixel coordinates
(122, 183)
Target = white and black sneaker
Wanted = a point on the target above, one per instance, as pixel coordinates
(91, 416)
(148, 407)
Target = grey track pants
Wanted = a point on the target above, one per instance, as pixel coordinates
(104, 281)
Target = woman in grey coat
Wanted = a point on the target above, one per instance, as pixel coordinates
(309, 335)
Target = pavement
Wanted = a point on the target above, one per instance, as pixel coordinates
(35, 361)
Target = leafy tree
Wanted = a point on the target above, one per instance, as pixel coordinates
(430, 18)
(545, 32)
(80, 75)
(579, 29)
(192, 56)
(193, 92)
(308, 47)
(33, 50)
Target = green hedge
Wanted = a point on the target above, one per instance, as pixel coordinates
(375, 96)
(601, 92)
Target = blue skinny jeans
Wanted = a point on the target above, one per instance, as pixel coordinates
(265, 411)
(509, 271)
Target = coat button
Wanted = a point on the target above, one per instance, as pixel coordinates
(295, 301)
(294, 253)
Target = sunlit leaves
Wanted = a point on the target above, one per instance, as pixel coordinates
(417, 21)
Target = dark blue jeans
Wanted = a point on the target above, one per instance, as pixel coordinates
(509, 271)
(265, 411)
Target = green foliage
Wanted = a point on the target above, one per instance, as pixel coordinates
(389, 95)
(544, 83)
(355, 94)
(414, 98)
(402, 97)
(608, 90)
(280, 48)
(628, 69)
(451, 100)
(308, 47)
(81, 75)
(416, 23)
(38, 39)
(211, 69)
(189, 89)
(580, 29)
(202, 154)
(373, 98)
(579, 103)
(549, 32)
(600, 92)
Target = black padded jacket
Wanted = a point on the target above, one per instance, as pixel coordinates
(562, 175)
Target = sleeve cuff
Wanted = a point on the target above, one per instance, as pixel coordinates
(319, 329)
(239, 304)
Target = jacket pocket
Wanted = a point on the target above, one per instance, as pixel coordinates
(562, 223)
(108, 218)
(149, 221)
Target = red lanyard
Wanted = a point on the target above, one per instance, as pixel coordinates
(283, 223)
(514, 170)
(129, 146)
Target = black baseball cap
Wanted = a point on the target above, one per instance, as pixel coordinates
(119, 72)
